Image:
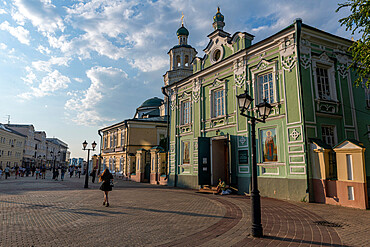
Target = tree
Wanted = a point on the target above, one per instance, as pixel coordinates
(359, 22)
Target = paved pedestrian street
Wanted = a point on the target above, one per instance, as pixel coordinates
(63, 213)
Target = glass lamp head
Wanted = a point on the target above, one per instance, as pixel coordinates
(244, 101)
(264, 109)
(84, 144)
(93, 145)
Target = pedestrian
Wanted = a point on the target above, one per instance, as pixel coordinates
(16, 170)
(79, 171)
(7, 172)
(43, 171)
(93, 175)
(70, 171)
(33, 169)
(1, 172)
(56, 173)
(38, 172)
(62, 172)
(106, 186)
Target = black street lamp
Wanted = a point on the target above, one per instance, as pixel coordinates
(54, 157)
(264, 108)
(84, 144)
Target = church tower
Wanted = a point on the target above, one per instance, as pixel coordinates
(181, 56)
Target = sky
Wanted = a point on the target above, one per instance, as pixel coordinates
(73, 67)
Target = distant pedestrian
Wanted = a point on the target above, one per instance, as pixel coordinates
(43, 171)
(106, 186)
(56, 173)
(62, 172)
(7, 172)
(33, 169)
(70, 171)
(16, 170)
(1, 172)
(38, 172)
(93, 175)
(79, 171)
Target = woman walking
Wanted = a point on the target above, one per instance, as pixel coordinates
(106, 186)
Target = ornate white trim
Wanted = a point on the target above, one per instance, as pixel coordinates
(239, 73)
(306, 61)
(196, 89)
(342, 69)
(288, 62)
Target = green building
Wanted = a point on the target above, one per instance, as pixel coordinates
(301, 71)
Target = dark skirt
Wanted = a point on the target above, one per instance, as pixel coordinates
(105, 186)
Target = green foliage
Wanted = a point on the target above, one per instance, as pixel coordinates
(359, 22)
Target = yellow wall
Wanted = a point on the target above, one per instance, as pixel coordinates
(11, 153)
(358, 165)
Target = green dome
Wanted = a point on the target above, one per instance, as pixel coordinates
(218, 16)
(182, 31)
(152, 102)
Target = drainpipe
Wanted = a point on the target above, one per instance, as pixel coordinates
(128, 174)
(168, 129)
(298, 31)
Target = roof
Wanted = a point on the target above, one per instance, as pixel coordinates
(150, 119)
(57, 142)
(272, 37)
(182, 31)
(11, 130)
(357, 143)
(152, 102)
(320, 143)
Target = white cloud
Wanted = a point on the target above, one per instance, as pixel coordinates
(50, 83)
(2, 11)
(148, 64)
(43, 15)
(19, 32)
(104, 82)
(3, 46)
(46, 65)
(78, 79)
(43, 49)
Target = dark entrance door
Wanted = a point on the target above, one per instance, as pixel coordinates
(204, 162)
(147, 173)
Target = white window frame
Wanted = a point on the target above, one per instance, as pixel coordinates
(215, 113)
(185, 119)
(351, 193)
(262, 68)
(183, 152)
(349, 166)
(261, 88)
(325, 62)
(334, 134)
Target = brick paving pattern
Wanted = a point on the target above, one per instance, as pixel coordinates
(62, 213)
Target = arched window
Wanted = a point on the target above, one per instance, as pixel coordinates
(186, 60)
(178, 61)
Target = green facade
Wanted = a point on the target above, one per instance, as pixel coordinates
(232, 65)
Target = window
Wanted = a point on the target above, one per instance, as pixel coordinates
(349, 167)
(323, 86)
(111, 140)
(216, 55)
(186, 60)
(114, 139)
(218, 103)
(328, 135)
(185, 112)
(122, 137)
(178, 61)
(266, 88)
(105, 141)
(351, 193)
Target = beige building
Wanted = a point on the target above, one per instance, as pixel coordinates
(120, 141)
(11, 147)
(29, 154)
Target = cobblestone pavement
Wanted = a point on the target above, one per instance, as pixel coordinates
(62, 213)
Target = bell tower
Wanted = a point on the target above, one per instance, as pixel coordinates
(181, 56)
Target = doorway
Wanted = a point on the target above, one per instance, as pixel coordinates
(220, 161)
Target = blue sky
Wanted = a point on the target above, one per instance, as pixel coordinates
(72, 67)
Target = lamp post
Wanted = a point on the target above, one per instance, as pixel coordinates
(84, 144)
(54, 158)
(264, 108)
